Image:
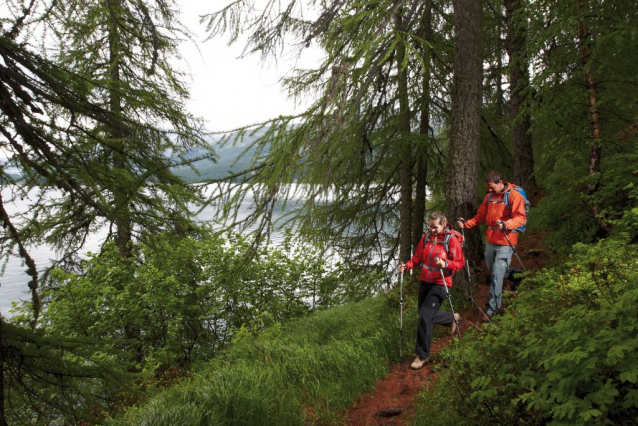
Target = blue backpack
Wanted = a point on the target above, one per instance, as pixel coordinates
(527, 203)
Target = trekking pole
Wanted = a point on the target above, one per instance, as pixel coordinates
(449, 297)
(469, 278)
(467, 268)
(401, 307)
(498, 222)
(467, 263)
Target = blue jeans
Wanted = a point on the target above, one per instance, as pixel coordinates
(498, 260)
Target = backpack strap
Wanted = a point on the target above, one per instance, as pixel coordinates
(507, 196)
(446, 242)
(426, 239)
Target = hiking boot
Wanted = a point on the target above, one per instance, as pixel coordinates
(457, 318)
(486, 318)
(418, 363)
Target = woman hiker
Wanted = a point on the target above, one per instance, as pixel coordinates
(439, 249)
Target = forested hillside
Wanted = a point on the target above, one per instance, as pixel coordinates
(171, 318)
(231, 159)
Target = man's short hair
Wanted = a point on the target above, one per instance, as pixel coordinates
(493, 176)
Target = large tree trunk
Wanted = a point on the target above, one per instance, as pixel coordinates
(519, 85)
(595, 151)
(424, 130)
(463, 153)
(405, 178)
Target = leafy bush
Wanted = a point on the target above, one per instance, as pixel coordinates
(567, 352)
(184, 299)
(627, 225)
(305, 371)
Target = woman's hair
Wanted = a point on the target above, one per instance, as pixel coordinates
(439, 217)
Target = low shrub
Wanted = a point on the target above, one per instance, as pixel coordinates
(182, 300)
(566, 353)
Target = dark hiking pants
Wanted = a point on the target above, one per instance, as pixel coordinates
(431, 296)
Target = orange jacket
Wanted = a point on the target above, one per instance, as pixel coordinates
(495, 209)
(431, 248)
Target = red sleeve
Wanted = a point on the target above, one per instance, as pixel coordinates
(481, 215)
(417, 259)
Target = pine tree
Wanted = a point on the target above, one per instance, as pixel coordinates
(423, 106)
(495, 150)
(357, 144)
(127, 47)
(61, 130)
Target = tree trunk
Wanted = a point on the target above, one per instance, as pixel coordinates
(424, 130)
(405, 178)
(122, 220)
(595, 151)
(519, 85)
(499, 88)
(463, 152)
(420, 195)
(3, 419)
(122, 216)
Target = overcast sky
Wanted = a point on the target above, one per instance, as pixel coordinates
(229, 92)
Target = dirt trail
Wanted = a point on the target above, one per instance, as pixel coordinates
(392, 402)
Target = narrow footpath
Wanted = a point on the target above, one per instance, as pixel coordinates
(393, 401)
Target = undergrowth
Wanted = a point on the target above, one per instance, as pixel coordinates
(566, 353)
(304, 372)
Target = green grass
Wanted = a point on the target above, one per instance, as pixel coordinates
(307, 371)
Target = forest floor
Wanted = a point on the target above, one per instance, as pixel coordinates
(393, 401)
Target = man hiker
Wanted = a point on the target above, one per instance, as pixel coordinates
(502, 219)
(439, 255)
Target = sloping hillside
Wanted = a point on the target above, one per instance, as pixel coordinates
(228, 160)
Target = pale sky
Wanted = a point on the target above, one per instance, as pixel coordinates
(229, 92)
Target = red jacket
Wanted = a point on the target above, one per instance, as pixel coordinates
(495, 209)
(431, 248)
